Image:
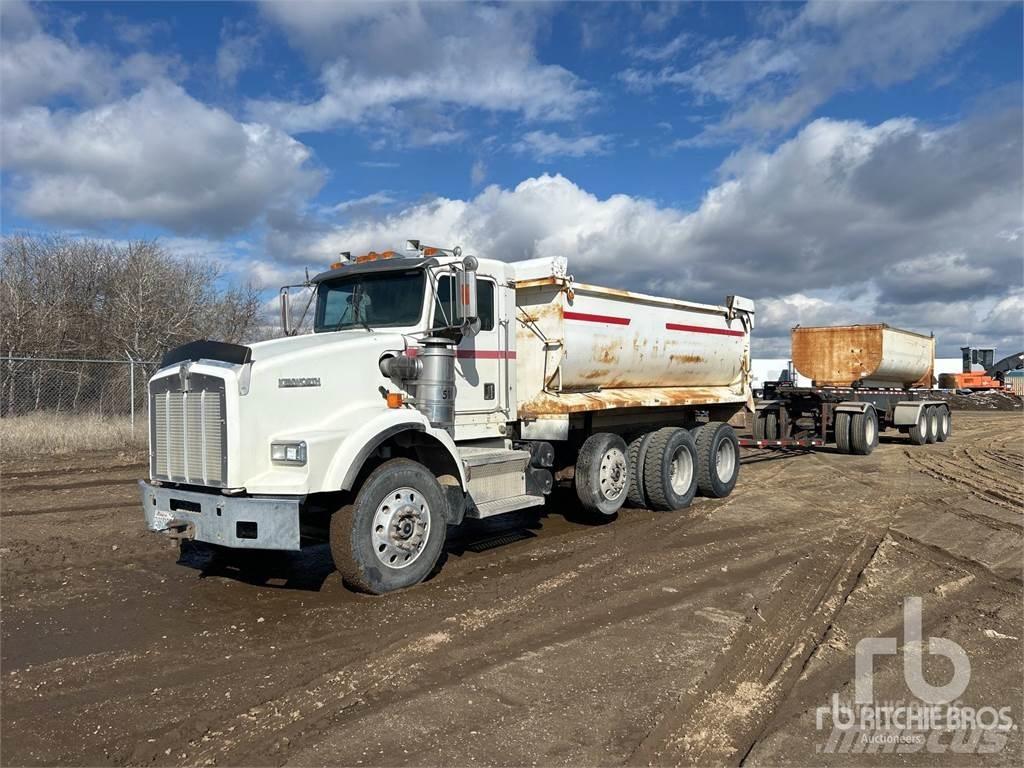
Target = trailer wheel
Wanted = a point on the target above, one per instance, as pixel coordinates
(602, 473)
(670, 469)
(759, 424)
(945, 425)
(842, 429)
(718, 459)
(771, 425)
(864, 432)
(932, 414)
(919, 432)
(637, 454)
(391, 536)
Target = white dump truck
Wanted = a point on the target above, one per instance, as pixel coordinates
(437, 387)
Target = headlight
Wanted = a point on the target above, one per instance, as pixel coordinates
(288, 453)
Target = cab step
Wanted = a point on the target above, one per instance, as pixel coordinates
(501, 506)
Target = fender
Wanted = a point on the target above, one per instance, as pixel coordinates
(908, 412)
(853, 406)
(362, 441)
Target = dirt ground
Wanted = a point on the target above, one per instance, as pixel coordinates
(709, 636)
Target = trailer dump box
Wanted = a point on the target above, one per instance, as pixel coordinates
(863, 355)
(586, 348)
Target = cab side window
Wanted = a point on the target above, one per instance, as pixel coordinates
(444, 306)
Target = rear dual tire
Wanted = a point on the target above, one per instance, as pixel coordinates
(671, 469)
(857, 433)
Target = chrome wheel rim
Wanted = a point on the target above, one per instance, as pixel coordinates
(401, 527)
(614, 472)
(725, 460)
(682, 471)
(869, 430)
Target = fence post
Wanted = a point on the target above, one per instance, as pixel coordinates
(131, 385)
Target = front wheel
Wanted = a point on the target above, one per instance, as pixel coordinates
(391, 536)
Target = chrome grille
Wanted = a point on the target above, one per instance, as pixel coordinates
(187, 431)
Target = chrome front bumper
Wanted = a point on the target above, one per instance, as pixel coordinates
(231, 521)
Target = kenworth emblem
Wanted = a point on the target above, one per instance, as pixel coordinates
(310, 381)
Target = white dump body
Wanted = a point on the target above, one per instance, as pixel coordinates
(582, 347)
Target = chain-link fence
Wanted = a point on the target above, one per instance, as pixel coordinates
(94, 387)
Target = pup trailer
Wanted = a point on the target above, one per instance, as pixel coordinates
(437, 387)
(865, 379)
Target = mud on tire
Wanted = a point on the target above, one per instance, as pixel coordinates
(392, 535)
(636, 454)
(602, 473)
(718, 459)
(670, 469)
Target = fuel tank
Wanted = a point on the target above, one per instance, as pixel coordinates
(863, 355)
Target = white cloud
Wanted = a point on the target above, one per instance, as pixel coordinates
(775, 82)
(159, 157)
(812, 229)
(663, 51)
(376, 59)
(238, 51)
(545, 145)
(36, 66)
(478, 173)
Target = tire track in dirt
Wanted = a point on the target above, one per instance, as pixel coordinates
(720, 721)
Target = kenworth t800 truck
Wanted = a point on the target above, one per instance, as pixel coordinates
(437, 387)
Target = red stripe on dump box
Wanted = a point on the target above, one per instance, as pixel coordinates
(596, 318)
(702, 329)
(484, 354)
(471, 354)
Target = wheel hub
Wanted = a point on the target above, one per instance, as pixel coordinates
(401, 527)
(614, 471)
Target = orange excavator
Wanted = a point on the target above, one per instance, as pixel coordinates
(990, 374)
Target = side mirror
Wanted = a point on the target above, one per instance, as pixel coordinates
(285, 312)
(466, 302)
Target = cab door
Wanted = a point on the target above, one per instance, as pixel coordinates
(480, 364)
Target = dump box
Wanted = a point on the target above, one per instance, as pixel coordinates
(863, 355)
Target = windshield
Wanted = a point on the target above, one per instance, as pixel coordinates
(387, 300)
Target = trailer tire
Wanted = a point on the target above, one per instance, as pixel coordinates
(380, 545)
(945, 425)
(933, 423)
(842, 428)
(670, 469)
(637, 454)
(771, 425)
(718, 459)
(602, 473)
(864, 432)
(759, 425)
(919, 432)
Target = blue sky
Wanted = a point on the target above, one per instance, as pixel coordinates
(835, 161)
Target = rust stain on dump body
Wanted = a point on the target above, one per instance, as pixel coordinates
(686, 358)
(552, 403)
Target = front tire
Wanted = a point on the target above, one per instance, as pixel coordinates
(602, 473)
(392, 535)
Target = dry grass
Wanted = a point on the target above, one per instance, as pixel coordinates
(48, 434)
